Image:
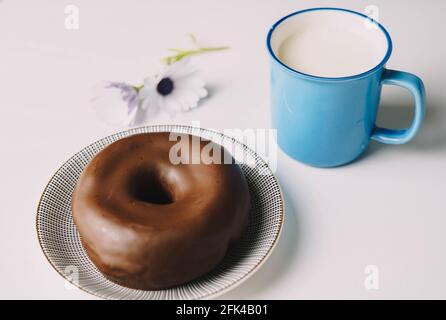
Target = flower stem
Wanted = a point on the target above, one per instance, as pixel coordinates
(137, 88)
(180, 54)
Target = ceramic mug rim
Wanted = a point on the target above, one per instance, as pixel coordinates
(313, 77)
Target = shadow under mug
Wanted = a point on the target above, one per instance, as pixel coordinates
(328, 122)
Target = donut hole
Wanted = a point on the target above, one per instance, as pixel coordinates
(147, 187)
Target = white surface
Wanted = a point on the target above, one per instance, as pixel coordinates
(387, 209)
(329, 43)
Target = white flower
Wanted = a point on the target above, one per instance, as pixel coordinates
(177, 88)
(109, 107)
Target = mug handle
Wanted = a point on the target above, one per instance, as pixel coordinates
(416, 87)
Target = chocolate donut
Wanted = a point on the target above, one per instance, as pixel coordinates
(148, 223)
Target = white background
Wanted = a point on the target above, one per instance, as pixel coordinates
(387, 209)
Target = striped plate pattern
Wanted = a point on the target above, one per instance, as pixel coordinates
(60, 242)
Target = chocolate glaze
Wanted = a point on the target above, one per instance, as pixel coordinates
(149, 224)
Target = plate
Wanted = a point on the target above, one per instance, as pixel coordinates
(61, 245)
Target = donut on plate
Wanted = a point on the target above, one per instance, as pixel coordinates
(148, 222)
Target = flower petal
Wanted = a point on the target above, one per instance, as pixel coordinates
(131, 116)
(172, 68)
(150, 100)
(146, 93)
(149, 83)
(153, 106)
(171, 105)
(185, 72)
(179, 69)
(187, 98)
(190, 82)
(200, 91)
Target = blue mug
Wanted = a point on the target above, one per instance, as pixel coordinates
(328, 121)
